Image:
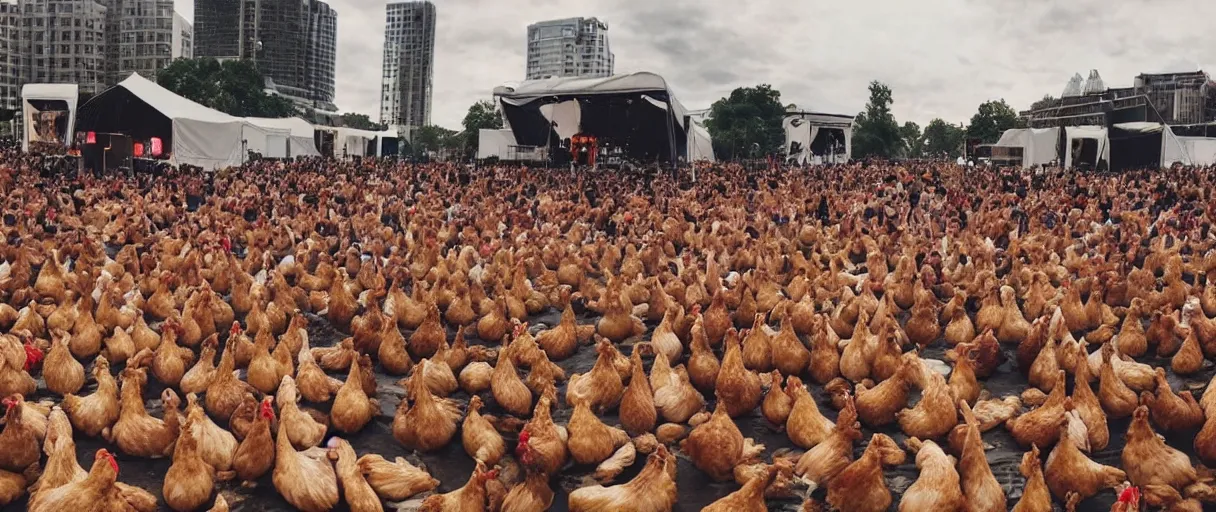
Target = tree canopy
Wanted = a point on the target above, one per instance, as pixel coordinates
(747, 123)
(431, 139)
(876, 133)
(913, 141)
(234, 87)
(481, 116)
(943, 139)
(360, 122)
(991, 120)
(1046, 101)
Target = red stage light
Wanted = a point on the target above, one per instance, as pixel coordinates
(91, 138)
(139, 149)
(157, 146)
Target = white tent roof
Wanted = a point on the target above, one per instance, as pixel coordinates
(172, 105)
(633, 82)
(819, 118)
(1014, 138)
(67, 92)
(298, 127)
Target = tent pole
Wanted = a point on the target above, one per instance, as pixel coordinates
(671, 133)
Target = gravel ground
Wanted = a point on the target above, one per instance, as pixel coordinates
(452, 466)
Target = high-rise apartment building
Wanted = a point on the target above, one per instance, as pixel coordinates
(64, 41)
(280, 36)
(139, 37)
(409, 62)
(183, 38)
(569, 47)
(281, 43)
(218, 26)
(321, 54)
(10, 55)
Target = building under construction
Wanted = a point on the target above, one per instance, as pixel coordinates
(1168, 98)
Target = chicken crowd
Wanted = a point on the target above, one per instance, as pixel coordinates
(581, 335)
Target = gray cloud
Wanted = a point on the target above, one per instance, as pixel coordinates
(940, 58)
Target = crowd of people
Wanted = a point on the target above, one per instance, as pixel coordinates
(847, 259)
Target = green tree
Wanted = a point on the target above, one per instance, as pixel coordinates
(914, 142)
(747, 123)
(481, 116)
(876, 133)
(360, 122)
(431, 139)
(943, 139)
(234, 87)
(1047, 101)
(991, 120)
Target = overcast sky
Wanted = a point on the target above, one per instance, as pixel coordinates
(942, 58)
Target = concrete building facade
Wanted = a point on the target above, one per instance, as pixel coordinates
(10, 55)
(64, 41)
(139, 38)
(321, 53)
(183, 38)
(406, 87)
(293, 42)
(218, 26)
(569, 47)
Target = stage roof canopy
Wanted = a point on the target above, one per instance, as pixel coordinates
(558, 86)
(636, 112)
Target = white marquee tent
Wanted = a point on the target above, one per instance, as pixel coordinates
(1039, 145)
(299, 135)
(1077, 133)
(201, 136)
(68, 93)
(801, 129)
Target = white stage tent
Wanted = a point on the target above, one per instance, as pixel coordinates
(202, 136)
(802, 129)
(1076, 135)
(142, 109)
(198, 135)
(39, 93)
(536, 111)
(1039, 145)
